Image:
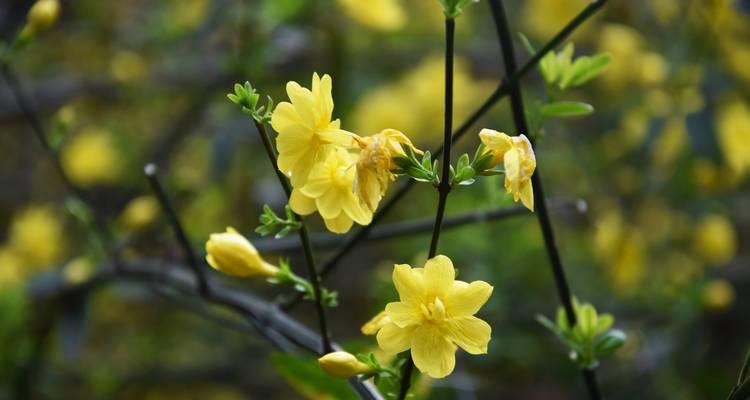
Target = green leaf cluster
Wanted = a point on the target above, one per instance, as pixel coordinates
(466, 171)
(561, 70)
(270, 223)
(590, 339)
(424, 170)
(247, 97)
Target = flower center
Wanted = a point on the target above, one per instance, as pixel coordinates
(339, 177)
(434, 311)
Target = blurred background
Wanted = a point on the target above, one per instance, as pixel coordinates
(653, 223)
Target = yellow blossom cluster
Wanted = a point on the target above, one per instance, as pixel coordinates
(632, 250)
(337, 173)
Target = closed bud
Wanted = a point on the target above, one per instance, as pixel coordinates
(232, 254)
(341, 364)
(42, 15)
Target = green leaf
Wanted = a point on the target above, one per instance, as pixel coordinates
(305, 376)
(526, 43)
(584, 69)
(607, 344)
(548, 67)
(566, 109)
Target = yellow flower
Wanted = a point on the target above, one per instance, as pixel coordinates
(232, 254)
(330, 190)
(375, 164)
(10, 268)
(42, 15)
(518, 159)
(140, 212)
(718, 295)
(385, 15)
(715, 239)
(434, 315)
(372, 326)
(733, 127)
(341, 364)
(36, 235)
(91, 158)
(305, 128)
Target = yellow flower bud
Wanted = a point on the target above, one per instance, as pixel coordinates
(42, 15)
(140, 212)
(341, 364)
(372, 326)
(234, 255)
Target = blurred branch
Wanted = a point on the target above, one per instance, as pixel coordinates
(267, 318)
(100, 223)
(519, 119)
(417, 226)
(500, 92)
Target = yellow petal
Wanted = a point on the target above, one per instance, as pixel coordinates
(439, 274)
(403, 314)
(340, 224)
(410, 285)
(433, 354)
(329, 205)
(301, 204)
(470, 333)
(336, 136)
(465, 299)
(372, 326)
(496, 142)
(394, 340)
(512, 164)
(354, 209)
(284, 116)
(303, 102)
(527, 195)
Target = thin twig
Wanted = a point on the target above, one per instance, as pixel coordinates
(519, 119)
(304, 236)
(445, 184)
(152, 171)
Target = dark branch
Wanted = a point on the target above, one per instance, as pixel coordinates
(151, 172)
(519, 118)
